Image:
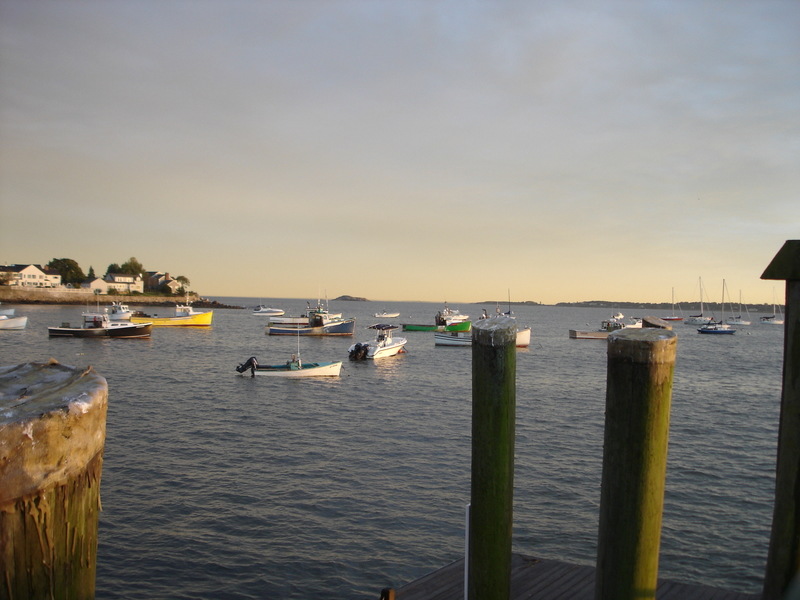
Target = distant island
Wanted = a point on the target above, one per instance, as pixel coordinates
(350, 299)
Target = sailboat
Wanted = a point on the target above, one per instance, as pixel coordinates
(700, 319)
(776, 318)
(673, 317)
(738, 319)
(717, 327)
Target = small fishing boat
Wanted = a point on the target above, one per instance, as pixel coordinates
(318, 323)
(292, 368)
(387, 315)
(267, 311)
(305, 318)
(459, 326)
(119, 312)
(96, 325)
(185, 316)
(383, 346)
(7, 322)
(607, 326)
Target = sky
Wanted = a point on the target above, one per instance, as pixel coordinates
(429, 150)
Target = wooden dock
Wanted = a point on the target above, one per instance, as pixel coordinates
(544, 579)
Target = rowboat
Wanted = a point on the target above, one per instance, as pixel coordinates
(7, 322)
(464, 338)
(384, 344)
(97, 325)
(292, 368)
(185, 316)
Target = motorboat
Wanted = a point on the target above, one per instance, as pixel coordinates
(383, 346)
(306, 317)
(448, 316)
(119, 312)
(97, 325)
(7, 322)
(452, 338)
(317, 323)
(292, 368)
(267, 311)
(387, 315)
(607, 326)
(185, 316)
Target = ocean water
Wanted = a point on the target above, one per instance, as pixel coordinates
(228, 487)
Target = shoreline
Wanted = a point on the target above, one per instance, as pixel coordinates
(10, 295)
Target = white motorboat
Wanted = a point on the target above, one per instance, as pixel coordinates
(119, 312)
(267, 311)
(387, 315)
(383, 346)
(464, 338)
(449, 316)
(7, 322)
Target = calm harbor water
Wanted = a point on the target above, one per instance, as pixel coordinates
(222, 486)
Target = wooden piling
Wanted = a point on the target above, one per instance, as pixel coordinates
(641, 363)
(493, 429)
(52, 434)
(783, 560)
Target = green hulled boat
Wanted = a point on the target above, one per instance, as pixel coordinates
(459, 326)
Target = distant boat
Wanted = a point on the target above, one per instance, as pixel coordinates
(607, 326)
(673, 316)
(292, 368)
(738, 319)
(7, 322)
(464, 338)
(459, 326)
(317, 323)
(387, 315)
(185, 316)
(699, 319)
(776, 318)
(718, 327)
(7, 312)
(267, 311)
(383, 346)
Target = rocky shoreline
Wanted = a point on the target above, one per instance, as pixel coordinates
(10, 295)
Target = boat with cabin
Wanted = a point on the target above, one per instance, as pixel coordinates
(97, 325)
(317, 323)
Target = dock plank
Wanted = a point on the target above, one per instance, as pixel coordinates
(546, 579)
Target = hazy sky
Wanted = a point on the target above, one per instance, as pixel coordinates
(405, 150)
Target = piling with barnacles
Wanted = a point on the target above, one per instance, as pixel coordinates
(52, 435)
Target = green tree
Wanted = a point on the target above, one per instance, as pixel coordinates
(69, 270)
(132, 267)
(113, 268)
(183, 280)
(90, 274)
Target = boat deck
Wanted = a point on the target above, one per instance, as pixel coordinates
(546, 579)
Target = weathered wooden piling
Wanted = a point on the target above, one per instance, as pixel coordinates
(641, 363)
(494, 371)
(783, 561)
(52, 434)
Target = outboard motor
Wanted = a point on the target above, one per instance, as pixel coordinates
(359, 352)
(251, 363)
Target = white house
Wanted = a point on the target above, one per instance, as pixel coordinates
(97, 285)
(31, 276)
(123, 283)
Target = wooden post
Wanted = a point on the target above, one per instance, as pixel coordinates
(494, 370)
(52, 433)
(641, 363)
(783, 560)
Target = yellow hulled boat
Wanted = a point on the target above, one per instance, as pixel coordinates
(185, 316)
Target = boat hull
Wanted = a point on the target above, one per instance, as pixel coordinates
(197, 320)
(459, 326)
(452, 338)
(292, 371)
(343, 327)
(139, 330)
(13, 323)
(375, 350)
